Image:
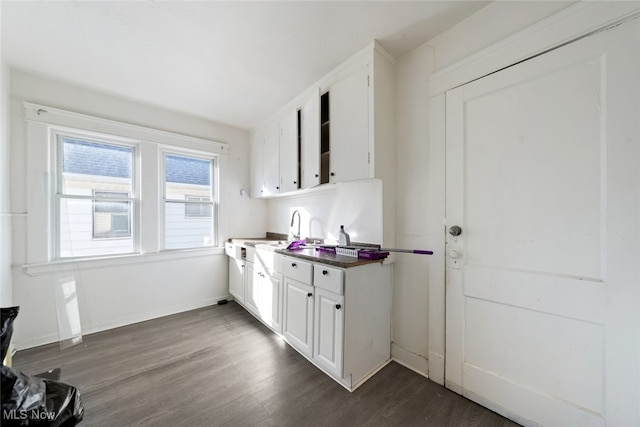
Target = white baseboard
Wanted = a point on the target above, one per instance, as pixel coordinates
(117, 323)
(410, 360)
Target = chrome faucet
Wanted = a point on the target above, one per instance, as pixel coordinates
(293, 216)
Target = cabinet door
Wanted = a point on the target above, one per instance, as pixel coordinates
(236, 279)
(297, 322)
(251, 297)
(329, 331)
(310, 144)
(289, 152)
(271, 158)
(349, 131)
(270, 297)
(257, 169)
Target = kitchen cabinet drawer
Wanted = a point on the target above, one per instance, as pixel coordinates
(298, 270)
(328, 278)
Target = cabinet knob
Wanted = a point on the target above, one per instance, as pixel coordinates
(277, 188)
(325, 272)
(317, 175)
(309, 294)
(295, 182)
(332, 174)
(338, 306)
(293, 264)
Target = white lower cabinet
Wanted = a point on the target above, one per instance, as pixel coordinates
(263, 295)
(329, 331)
(236, 278)
(340, 319)
(297, 322)
(250, 289)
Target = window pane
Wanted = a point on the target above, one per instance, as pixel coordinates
(198, 210)
(187, 176)
(111, 218)
(88, 166)
(80, 229)
(188, 225)
(186, 232)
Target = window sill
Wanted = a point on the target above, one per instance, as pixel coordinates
(39, 269)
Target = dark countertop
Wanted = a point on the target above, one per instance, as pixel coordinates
(310, 254)
(341, 261)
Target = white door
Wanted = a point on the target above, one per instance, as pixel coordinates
(543, 178)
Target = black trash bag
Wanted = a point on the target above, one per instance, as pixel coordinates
(8, 315)
(32, 401)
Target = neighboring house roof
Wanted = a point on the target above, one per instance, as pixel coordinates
(91, 158)
(187, 170)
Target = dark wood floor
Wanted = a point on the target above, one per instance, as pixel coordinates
(218, 366)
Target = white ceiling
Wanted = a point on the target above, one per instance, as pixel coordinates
(231, 62)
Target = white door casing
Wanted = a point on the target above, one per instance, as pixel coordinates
(542, 163)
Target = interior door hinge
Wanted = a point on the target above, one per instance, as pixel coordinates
(369, 157)
(368, 83)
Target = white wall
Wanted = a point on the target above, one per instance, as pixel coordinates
(410, 296)
(121, 294)
(489, 25)
(5, 185)
(420, 204)
(356, 205)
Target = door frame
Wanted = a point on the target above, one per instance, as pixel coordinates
(570, 24)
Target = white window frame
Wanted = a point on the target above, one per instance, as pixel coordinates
(57, 135)
(41, 123)
(214, 173)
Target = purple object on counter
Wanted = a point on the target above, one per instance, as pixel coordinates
(296, 244)
(327, 249)
(366, 254)
(373, 254)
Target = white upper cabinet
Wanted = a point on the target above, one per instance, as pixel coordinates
(349, 127)
(310, 141)
(342, 129)
(257, 169)
(271, 159)
(289, 159)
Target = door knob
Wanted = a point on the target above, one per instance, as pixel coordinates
(455, 230)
